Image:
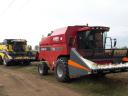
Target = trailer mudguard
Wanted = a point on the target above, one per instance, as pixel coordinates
(78, 66)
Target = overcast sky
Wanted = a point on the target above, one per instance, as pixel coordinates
(30, 19)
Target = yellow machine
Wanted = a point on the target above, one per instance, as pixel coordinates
(14, 51)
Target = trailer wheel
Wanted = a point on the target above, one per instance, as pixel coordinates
(43, 69)
(61, 70)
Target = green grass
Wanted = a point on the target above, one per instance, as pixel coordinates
(87, 86)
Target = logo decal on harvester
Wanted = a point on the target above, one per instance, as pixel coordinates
(51, 48)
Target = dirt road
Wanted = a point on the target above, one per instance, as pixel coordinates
(16, 83)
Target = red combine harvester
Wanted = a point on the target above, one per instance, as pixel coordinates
(76, 51)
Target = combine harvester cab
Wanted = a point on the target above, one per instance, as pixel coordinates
(76, 51)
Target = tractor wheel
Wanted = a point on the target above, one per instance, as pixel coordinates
(43, 69)
(61, 70)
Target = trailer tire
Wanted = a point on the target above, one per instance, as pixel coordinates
(61, 70)
(43, 69)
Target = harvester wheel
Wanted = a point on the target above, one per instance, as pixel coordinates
(61, 70)
(43, 69)
(5, 63)
(1, 61)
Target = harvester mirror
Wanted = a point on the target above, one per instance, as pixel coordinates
(115, 42)
(49, 34)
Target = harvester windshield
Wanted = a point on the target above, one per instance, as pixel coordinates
(91, 39)
(17, 45)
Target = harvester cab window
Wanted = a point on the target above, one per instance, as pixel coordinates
(85, 40)
(19, 46)
(90, 40)
(99, 40)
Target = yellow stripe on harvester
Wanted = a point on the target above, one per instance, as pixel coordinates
(76, 65)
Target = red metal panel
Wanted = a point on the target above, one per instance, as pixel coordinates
(57, 44)
(59, 31)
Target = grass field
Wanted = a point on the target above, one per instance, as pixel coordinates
(111, 85)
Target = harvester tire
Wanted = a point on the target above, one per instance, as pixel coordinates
(1, 61)
(61, 70)
(43, 69)
(5, 63)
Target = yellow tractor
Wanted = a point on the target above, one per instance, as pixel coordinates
(15, 51)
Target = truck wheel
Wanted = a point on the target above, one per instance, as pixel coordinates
(43, 69)
(61, 70)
